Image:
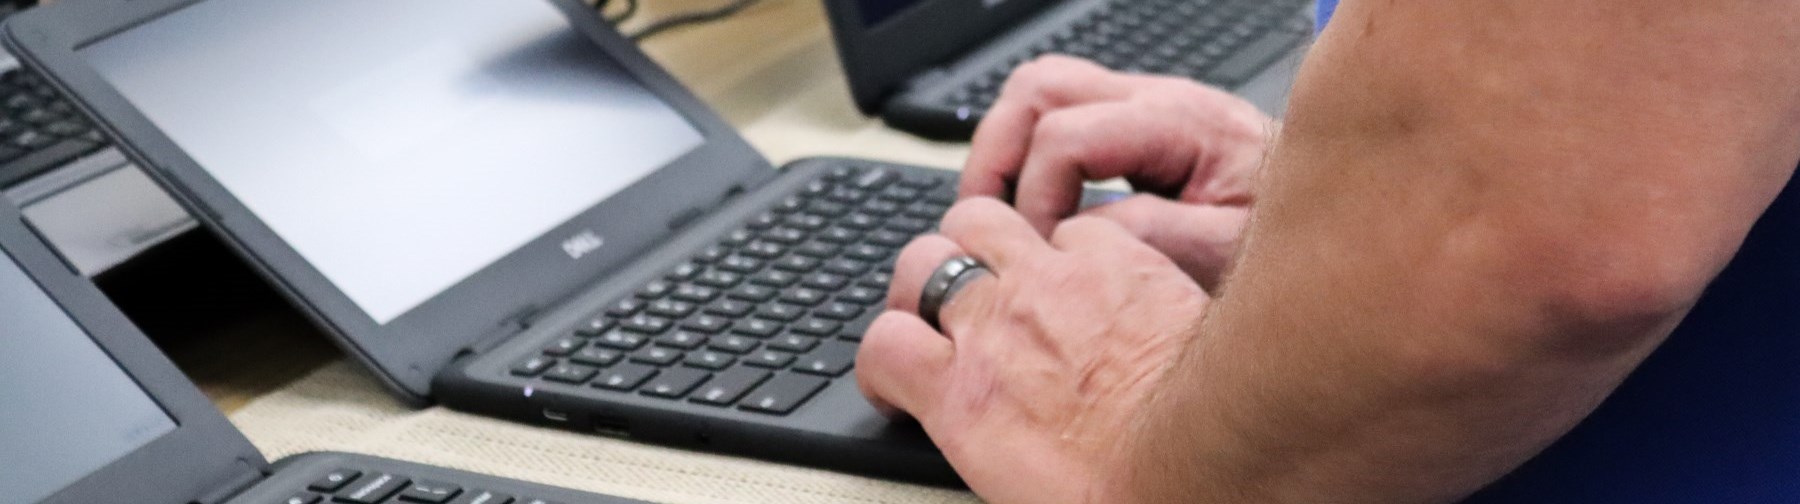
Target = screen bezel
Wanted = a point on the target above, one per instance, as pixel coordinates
(409, 350)
(879, 59)
(207, 446)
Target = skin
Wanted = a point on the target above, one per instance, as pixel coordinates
(1478, 218)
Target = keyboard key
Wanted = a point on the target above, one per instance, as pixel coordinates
(816, 188)
(898, 194)
(685, 271)
(797, 263)
(781, 312)
(596, 356)
(334, 480)
(846, 195)
(303, 498)
(430, 492)
(924, 210)
(770, 359)
(817, 327)
(732, 307)
(741, 264)
(712, 254)
(764, 249)
(483, 497)
(375, 488)
(706, 324)
(626, 307)
(719, 279)
(695, 293)
(880, 208)
(846, 267)
(824, 281)
(803, 296)
(784, 235)
(656, 355)
(793, 343)
(674, 383)
(562, 347)
(763, 220)
(874, 179)
(753, 293)
(909, 225)
(685, 340)
(817, 249)
(805, 222)
(646, 324)
(826, 208)
(781, 394)
(861, 221)
(919, 181)
(707, 359)
(877, 281)
(621, 339)
(570, 373)
(839, 234)
(862, 295)
(839, 311)
(624, 377)
(867, 252)
(595, 326)
(533, 365)
(756, 328)
(790, 204)
(775, 278)
(831, 359)
(670, 308)
(732, 343)
(728, 386)
(655, 289)
(842, 172)
(738, 237)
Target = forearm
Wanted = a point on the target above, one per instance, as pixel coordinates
(1480, 217)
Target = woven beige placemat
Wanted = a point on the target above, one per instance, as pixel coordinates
(339, 408)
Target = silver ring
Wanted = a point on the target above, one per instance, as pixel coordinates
(943, 283)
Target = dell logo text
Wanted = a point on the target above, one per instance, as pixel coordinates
(582, 244)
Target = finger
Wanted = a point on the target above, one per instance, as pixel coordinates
(998, 149)
(902, 364)
(1201, 239)
(992, 233)
(1097, 142)
(962, 310)
(914, 266)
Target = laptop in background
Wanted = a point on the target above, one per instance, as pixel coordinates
(94, 413)
(92, 204)
(933, 67)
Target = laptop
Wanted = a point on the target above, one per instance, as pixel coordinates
(94, 206)
(504, 207)
(933, 67)
(94, 413)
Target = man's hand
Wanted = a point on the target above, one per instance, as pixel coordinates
(1033, 389)
(1061, 121)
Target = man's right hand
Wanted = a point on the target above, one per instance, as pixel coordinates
(1062, 121)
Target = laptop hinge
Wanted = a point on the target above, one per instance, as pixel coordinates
(243, 476)
(685, 217)
(518, 322)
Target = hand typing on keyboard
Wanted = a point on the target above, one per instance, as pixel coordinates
(1035, 386)
(1062, 121)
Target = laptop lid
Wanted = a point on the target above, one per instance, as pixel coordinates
(884, 43)
(417, 175)
(93, 412)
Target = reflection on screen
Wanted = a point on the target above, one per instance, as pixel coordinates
(66, 409)
(402, 145)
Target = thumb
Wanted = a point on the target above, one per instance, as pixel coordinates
(1201, 239)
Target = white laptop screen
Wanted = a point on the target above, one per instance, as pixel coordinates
(399, 146)
(66, 409)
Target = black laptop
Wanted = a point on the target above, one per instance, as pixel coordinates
(933, 67)
(95, 414)
(504, 207)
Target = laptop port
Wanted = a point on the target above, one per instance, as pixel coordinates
(556, 416)
(612, 427)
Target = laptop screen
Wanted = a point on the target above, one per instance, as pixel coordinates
(66, 408)
(398, 146)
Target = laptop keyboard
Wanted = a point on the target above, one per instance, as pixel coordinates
(1221, 42)
(39, 130)
(766, 317)
(354, 486)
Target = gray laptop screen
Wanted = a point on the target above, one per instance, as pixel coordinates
(399, 146)
(66, 409)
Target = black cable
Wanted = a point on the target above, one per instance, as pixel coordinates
(689, 18)
(631, 8)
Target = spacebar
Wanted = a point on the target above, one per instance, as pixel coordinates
(1245, 64)
(39, 161)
